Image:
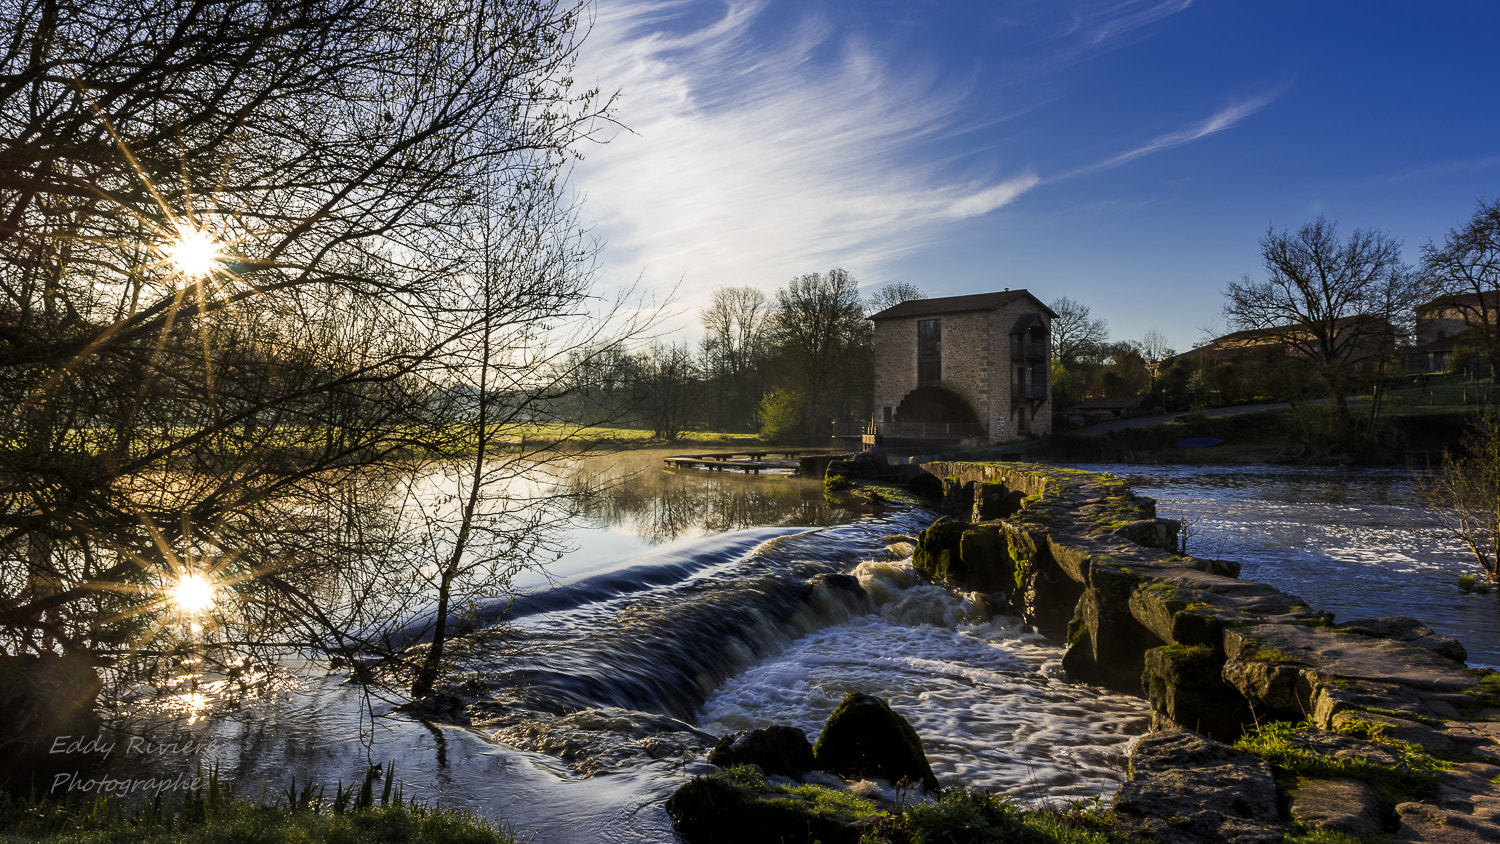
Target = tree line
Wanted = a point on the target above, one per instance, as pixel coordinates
(787, 366)
(1332, 316)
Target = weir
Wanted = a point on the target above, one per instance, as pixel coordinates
(1084, 559)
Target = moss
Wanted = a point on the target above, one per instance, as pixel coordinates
(1414, 778)
(1405, 716)
(967, 817)
(1322, 836)
(1077, 628)
(1487, 690)
(1273, 656)
(212, 818)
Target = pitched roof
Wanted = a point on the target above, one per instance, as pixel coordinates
(958, 304)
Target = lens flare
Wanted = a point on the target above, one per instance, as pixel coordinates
(194, 253)
(193, 594)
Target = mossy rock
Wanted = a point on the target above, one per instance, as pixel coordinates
(866, 738)
(777, 749)
(739, 807)
(937, 554)
(986, 561)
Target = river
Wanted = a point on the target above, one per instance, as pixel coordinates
(695, 604)
(1352, 541)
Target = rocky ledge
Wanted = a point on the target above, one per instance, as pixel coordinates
(1371, 729)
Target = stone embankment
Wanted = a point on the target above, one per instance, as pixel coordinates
(1400, 738)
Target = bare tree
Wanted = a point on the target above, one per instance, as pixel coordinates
(666, 389)
(734, 350)
(819, 325)
(240, 293)
(1321, 298)
(1076, 334)
(894, 294)
(1467, 270)
(1155, 352)
(1464, 493)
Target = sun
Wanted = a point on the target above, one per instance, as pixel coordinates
(193, 594)
(194, 253)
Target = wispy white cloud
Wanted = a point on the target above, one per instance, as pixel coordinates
(749, 159)
(1220, 120)
(1446, 169)
(1115, 19)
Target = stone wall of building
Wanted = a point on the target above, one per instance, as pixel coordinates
(976, 364)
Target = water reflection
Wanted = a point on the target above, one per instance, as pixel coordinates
(631, 493)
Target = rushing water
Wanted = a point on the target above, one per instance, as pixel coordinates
(689, 606)
(1354, 542)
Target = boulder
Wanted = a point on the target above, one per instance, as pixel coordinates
(713, 809)
(1185, 788)
(866, 738)
(937, 554)
(777, 750)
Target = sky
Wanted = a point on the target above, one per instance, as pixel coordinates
(1127, 154)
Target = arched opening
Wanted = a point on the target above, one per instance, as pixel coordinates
(934, 405)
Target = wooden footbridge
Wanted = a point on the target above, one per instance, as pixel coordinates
(742, 461)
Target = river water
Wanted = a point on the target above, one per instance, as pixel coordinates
(696, 604)
(1352, 541)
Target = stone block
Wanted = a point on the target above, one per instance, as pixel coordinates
(1344, 806)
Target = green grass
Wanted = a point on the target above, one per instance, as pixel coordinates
(354, 815)
(956, 817)
(967, 817)
(1414, 778)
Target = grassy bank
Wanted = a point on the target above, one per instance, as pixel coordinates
(211, 815)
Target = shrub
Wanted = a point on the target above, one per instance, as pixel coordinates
(780, 415)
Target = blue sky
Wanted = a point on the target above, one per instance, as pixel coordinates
(1128, 154)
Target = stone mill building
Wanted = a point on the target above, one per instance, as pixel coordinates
(963, 369)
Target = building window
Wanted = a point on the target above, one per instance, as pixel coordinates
(888, 415)
(929, 351)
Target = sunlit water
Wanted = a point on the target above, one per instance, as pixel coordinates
(687, 607)
(1354, 542)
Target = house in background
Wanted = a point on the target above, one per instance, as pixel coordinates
(964, 369)
(1448, 322)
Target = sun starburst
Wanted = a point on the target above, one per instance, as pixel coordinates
(193, 594)
(193, 253)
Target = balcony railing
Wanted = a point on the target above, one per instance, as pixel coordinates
(913, 430)
(1028, 351)
(1036, 392)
